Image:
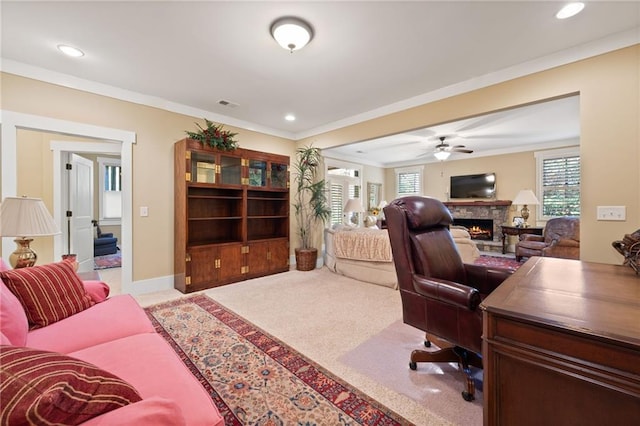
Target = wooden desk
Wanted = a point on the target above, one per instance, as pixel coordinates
(517, 230)
(561, 345)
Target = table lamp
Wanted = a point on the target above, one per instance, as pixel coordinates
(354, 206)
(525, 197)
(24, 217)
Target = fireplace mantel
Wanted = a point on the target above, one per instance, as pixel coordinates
(492, 203)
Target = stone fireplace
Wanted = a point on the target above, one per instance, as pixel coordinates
(486, 215)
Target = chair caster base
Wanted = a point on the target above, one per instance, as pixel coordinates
(468, 396)
(413, 366)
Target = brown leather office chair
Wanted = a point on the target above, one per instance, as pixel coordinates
(440, 294)
(561, 238)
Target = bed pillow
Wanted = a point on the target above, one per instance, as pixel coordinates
(44, 387)
(48, 293)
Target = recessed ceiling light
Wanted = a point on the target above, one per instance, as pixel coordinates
(570, 10)
(290, 117)
(70, 51)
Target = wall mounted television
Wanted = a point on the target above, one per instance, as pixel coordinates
(473, 186)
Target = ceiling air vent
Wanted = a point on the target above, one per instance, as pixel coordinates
(227, 103)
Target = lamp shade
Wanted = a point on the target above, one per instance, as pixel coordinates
(291, 33)
(353, 206)
(26, 217)
(526, 197)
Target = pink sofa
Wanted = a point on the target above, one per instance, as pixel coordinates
(116, 335)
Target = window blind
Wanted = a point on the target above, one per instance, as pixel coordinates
(561, 186)
(408, 183)
(335, 202)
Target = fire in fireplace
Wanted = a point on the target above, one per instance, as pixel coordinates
(479, 229)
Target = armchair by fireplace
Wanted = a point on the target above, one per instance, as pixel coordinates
(560, 238)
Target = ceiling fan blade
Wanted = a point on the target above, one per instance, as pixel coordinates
(465, 151)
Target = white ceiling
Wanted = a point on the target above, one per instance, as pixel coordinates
(366, 59)
(551, 124)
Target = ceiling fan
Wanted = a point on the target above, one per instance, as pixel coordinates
(443, 150)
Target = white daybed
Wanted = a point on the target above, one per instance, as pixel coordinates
(365, 253)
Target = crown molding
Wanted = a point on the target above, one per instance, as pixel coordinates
(607, 44)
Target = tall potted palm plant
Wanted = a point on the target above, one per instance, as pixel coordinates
(310, 204)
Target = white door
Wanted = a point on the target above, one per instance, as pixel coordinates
(81, 207)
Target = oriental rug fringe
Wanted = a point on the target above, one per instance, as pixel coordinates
(255, 379)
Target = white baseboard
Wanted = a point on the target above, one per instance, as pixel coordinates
(150, 286)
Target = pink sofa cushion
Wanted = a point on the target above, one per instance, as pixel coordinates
(48, 293)
(116, 317)
(41, 387)
(97, 290)
(157, 371)
(154, 411)
(13, 321)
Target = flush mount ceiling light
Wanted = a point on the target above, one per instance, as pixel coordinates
(291, 33)
(290, 117)
(570, 10)
(70, 51)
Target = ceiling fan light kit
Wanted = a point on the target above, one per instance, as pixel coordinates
(441, 155)
(443, 150)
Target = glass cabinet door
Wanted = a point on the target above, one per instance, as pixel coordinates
(230, 170)
(278, 175)
(257, 173)
(203, 167)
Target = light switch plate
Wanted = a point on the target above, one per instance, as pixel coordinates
(612, 213)
(144, 211)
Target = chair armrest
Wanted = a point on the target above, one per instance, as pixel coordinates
(532, 237)
(447, 292)
(565, 242)
(485, 278)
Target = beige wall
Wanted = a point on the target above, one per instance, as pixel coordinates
(609, 91)
(156, 131)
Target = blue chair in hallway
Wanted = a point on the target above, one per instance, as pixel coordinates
(104, 243)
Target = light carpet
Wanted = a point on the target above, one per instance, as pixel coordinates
(326, 317)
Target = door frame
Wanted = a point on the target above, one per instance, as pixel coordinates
(12, 121)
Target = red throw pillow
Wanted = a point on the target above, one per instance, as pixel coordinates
(41, 387)
(48, 293)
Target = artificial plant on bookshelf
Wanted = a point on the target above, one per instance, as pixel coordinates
(231, 217)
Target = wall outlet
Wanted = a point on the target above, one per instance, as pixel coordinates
(612, 213)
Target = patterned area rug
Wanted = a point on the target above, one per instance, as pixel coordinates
(108, 261)
(498, 262)
(253, 378)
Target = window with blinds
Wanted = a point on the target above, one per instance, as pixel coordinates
(560, 185)
(408, 181)
(343, 184)
(336, 204)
